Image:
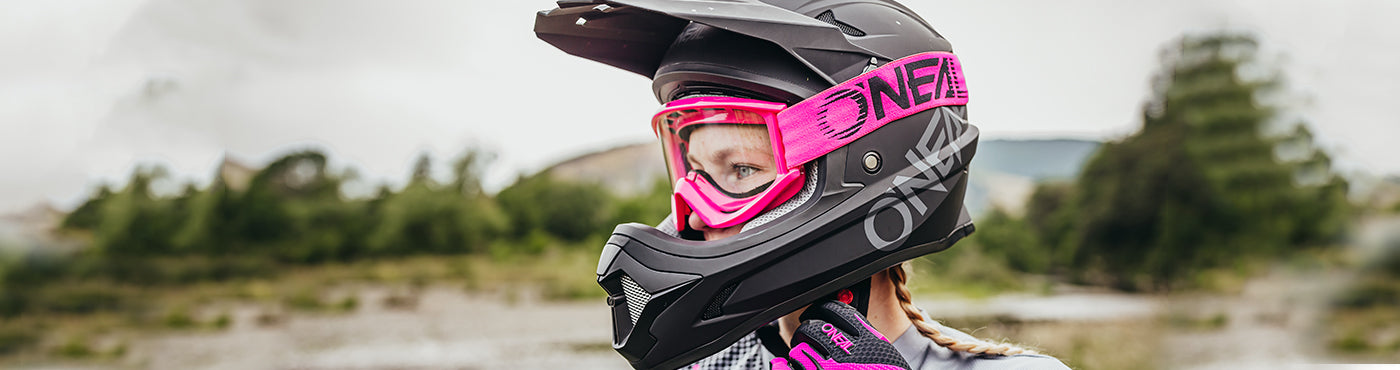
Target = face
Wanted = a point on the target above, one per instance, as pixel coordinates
(739, 158)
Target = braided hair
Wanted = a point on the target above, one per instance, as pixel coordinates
(926, 325)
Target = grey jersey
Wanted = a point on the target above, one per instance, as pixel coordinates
(920, 351)
(923, 354)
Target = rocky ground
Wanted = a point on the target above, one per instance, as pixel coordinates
(1267, 325)
(1274, 320)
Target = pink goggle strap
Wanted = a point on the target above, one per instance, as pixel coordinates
(852, 109)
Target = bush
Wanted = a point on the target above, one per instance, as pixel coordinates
(1370, 294)
(14, 340)
(567, 210)
(178, 318)
(223, 321)
(348, 304)
(76, 348)
(79, 299)
(306, 300)
(1009, 239)
(964, 270)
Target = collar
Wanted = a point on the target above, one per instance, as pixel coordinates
(912, 346)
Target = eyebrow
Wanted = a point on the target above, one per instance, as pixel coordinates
(718, 156)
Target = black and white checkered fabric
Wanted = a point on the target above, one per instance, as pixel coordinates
(746, 354)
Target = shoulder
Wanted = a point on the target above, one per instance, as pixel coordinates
(924, 354)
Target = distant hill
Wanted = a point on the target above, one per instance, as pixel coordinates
(1004, 172)
(29, 229)
(1035, 159)
(626, 170)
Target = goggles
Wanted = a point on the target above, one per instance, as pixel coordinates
(728, 175)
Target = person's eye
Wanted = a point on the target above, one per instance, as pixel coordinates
(743, 171)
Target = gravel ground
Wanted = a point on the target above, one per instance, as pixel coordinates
(1268, 326)
(1271, 323)
(443, 329)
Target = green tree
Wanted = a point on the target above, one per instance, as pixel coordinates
(429, 217)
(567, 210)
(1201, 184)
(649, 208)
(1004, 237)
(87, 215)
(293, 210)
(209, 230)
(1050, 217)
(134, 221)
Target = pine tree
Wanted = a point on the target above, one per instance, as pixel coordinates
(1201, 184)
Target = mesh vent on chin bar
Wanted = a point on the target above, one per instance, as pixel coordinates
(637, 297)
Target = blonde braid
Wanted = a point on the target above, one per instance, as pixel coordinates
(899, 276)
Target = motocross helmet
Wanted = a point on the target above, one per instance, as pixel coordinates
(865, 106)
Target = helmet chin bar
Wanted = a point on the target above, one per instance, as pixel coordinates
(695, 304)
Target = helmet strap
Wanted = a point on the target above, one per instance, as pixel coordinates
(859, 294)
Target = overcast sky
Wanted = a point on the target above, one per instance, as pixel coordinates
(91, 88)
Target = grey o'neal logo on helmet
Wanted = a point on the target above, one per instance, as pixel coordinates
(871, 94)
(901, 197)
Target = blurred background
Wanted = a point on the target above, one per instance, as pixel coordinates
(319, 184)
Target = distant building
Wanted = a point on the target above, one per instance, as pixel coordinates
(236, 175)
(1386, 194)
(31, 228)
(39, 218)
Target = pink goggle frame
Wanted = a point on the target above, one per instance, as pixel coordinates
(804, 132)
(693, 193)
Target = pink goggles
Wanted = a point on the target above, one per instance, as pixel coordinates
(709, 173)
(732, 136)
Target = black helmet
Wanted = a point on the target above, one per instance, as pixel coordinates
(893, 194)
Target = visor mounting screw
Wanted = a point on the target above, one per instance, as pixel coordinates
(871, 162)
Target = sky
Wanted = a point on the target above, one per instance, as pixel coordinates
(90, 89)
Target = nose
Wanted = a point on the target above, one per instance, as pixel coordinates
(693, 219)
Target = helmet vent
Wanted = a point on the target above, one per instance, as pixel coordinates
(829, 17)
(714, 309)
(637, 297)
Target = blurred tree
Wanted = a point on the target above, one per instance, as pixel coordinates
(649, 208)
(1200, 185)
(466, 173)
(208, 229)
(293, 210)
(567, 210)
(1328, 212)
(1007, 238)
(1050, 217)
(135, 222)
(430, 217)
(422, 170)
(87, 215)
